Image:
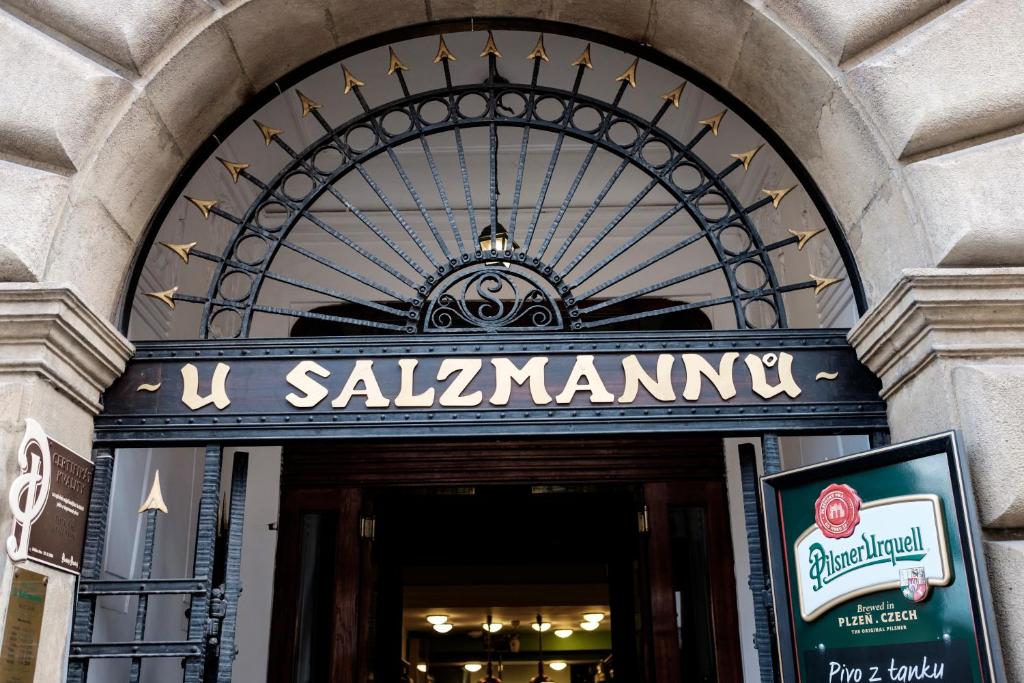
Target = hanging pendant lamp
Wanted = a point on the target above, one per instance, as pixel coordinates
(540, 677)
(488, 635)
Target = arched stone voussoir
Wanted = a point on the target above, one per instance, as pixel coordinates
(251, 44)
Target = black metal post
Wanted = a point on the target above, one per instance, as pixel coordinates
(143, 601)
(771, 454)
(760, 586)
(233, 566)
(206, 539)
(92, 558)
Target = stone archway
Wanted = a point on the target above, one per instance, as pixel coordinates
(907, 116)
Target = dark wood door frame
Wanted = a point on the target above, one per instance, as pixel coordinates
(335, 477)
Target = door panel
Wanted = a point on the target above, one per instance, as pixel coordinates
(693, 593)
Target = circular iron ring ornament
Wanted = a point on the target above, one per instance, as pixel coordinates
(290, 195)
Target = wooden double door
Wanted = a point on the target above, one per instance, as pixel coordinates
(647, 518)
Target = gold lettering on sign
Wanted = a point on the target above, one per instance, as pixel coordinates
(635, 375)
(506, 372)
(218, 395)
(362, 373)
(467, 369)
(784, 361)
(406, 398)
(698, 367)
(300, 379)
(584, 370)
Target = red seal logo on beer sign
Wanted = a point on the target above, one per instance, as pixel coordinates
(837, 511)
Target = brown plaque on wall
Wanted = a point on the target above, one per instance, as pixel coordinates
(22, 627)
(50, 499)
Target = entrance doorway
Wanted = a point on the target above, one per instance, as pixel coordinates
(608, 560)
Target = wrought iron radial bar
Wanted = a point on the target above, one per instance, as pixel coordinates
(461, 153)
(492, 141)
(637, 151)
(202, 569)
(635, 239)
(413, 192)
(602, 131)
(546, 183)
(313, 315)
(442, 192)
(610, 226)
(524, 144)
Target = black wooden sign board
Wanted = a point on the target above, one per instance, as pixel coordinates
(877, 569)
(495, 384)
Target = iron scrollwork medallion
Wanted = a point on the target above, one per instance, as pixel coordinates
(493, 298)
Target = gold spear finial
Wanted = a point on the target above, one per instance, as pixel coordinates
(538, 51)
(490, 48)
(714, 122)
(748, 156)
(155, 500)
(629, 75)
(350, 80)
(308, 105)
(804, 235)
(584, 58)
(234, 168)
(777, 195)
(674, 96)
(821, 283)
(394, 63)
(167, 296)
(443, 52)
(204, 205)
(268, 132)
(182, 250)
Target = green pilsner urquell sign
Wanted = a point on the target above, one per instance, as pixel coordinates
(876, 569)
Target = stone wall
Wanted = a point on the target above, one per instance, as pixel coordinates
(908, 114)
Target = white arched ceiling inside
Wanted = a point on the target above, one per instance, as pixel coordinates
(912, 143)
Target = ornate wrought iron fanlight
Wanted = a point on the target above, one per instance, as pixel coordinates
(542, 272)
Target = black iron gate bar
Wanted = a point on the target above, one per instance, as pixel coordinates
(405, 311)
(207, 652)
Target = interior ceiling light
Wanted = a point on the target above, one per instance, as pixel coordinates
(422, 668)
(557, 666)
(444, 628)
(586, 625)
(540, 626)
(493, 627)
(595, 617)
(473, 667)
(563, 632)
(436, 619)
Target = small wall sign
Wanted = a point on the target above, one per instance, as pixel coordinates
(877, 570)
(50, 502)
(24, 622)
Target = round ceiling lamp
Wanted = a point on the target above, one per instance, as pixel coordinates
(436, 619)
(541, 626)
(492, 627)
(473, 667)
(589, 625)
(557, 666)
(563, 632)
(593, 617)
(443, 628)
